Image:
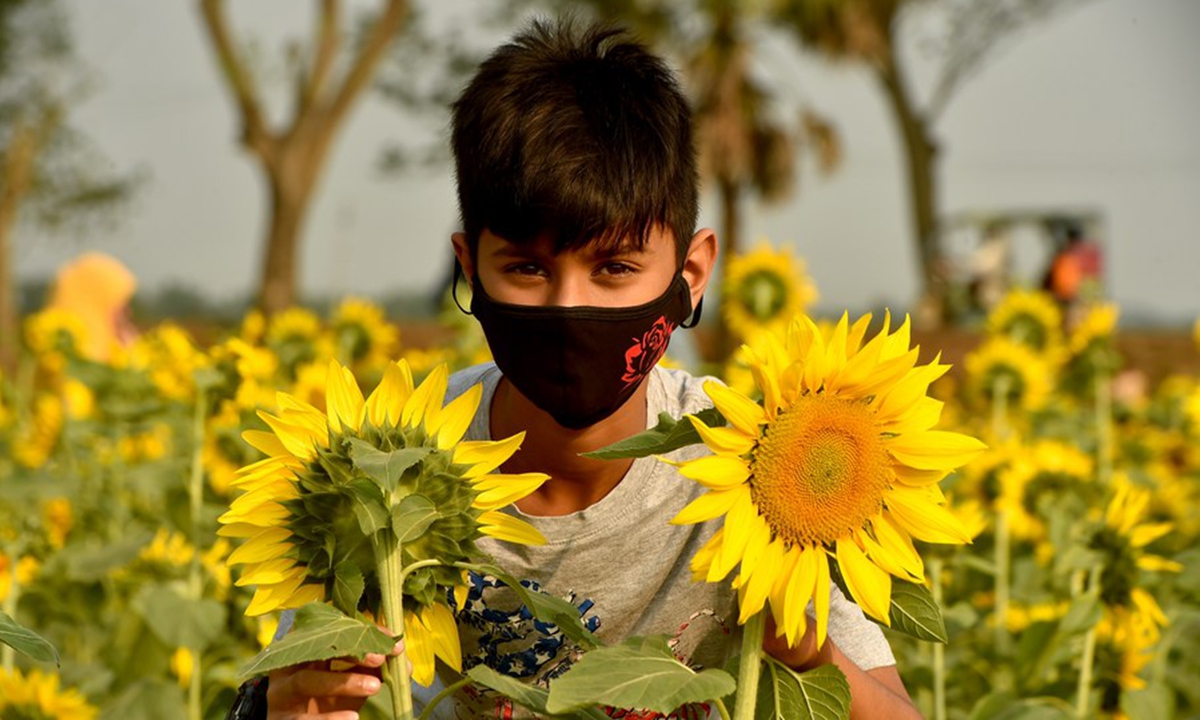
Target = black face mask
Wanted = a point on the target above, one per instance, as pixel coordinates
(580, 364)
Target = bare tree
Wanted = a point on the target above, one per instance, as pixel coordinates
(868, 31)
(293, 156)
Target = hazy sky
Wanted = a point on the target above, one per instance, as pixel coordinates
(1097, 108)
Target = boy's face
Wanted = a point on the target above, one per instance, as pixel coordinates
(533, 275)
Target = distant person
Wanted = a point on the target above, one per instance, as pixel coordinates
(990, 266)
(1074, 275)
(97, 289)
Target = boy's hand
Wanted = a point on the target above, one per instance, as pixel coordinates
(804, 656)
(333, 690)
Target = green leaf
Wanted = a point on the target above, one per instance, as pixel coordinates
(913, 612)
(668, 435)
(320, 633)
(527, 696)
(546, 608)
(89, 564)
(412, 517)
(1081, 616)
(385, 468)
(1005, 706)
(368, 506)
(348, 585)
(818, 694)
(1153, 702)
(26, 641)
(180, 621)
(148, 699)
(639, 673)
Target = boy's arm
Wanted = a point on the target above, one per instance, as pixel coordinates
(876, 693)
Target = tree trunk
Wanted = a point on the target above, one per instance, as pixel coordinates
(290, 185)
(18, 167)
(920, 152)
(731, 247)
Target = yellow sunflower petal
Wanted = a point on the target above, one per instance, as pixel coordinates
(756, 544)
(343, 399)
(741, 412)
(869, 585)
(485, 456)
(273, 597)
(1143, 535)
(934, 449)
(500, 490)
(723, 440)
(418, 645)
(715, 472)
(300, 440)
(897, 544)
(271, 572)
(303, 595)
(915, 511)
(761, 580)
(703, 558)
(506, 527)
(737, 534)
(455, 418)
(269, 544)
(386, 402)
(1156, 563)
(821, 598)
(424, 405)
(265, 442)
(444, 633)
(710, 505)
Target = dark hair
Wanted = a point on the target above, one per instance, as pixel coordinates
(582, 134)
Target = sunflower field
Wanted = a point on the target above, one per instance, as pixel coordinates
(1078, 595)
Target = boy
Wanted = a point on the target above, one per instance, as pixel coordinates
(578, 190)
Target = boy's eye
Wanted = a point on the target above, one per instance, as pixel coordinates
(531, 269)
(617, 268)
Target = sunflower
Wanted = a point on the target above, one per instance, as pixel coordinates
(764, 289)
(363, 335)
(295, 337)
(298, 510)
(1028, 317)
(1047, 472)
(54, 335)
(37, 695)
(839, 463)
(1121, 540)
(1025, 377)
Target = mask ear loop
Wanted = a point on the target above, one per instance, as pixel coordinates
(458, 272)
(695, 316)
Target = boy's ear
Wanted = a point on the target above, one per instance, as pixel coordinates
(462, 251)
(699, 263)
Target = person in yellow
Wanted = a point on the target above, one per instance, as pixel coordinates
(97, 288)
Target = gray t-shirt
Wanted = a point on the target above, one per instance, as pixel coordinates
(623, 564)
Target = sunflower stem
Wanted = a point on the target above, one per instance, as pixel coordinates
(391, 585)
(195, 578)
(750, 666)
(7, 654)
(1000, 390)
(1104, 433)
(1084, 691)
(724, 711)
(445, 693)
(939, 650)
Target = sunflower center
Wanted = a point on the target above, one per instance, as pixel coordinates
(820, 470)
(763, 294)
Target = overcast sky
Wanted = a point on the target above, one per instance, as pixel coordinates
(1097, 109)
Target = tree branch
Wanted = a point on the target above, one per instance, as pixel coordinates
(326, 42)
(385, 28)
(255, 134)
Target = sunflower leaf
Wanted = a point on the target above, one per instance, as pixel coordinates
(385, 468)
(818, 694)
(321, 632)
(369, 510)
(527, 696)
(348, 585)
(26, 641)
(914, 612)
(547, 608)
(180, 621)
(413, 516)
(640, 673)
(668, 435)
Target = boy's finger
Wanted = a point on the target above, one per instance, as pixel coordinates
(314, 683)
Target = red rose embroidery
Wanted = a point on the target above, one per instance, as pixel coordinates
(645, 353)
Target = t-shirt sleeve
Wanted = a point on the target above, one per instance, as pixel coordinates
(858, 638)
